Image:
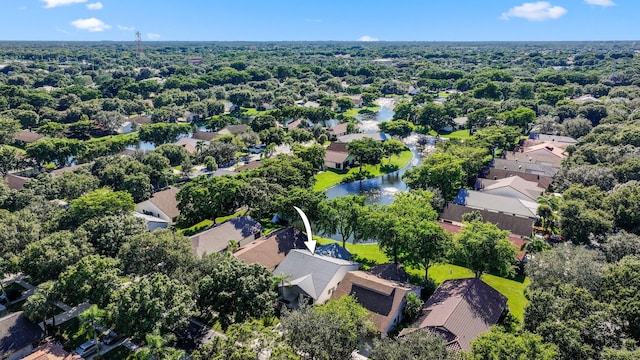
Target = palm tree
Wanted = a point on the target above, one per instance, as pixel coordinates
(157, 349)
(90, 318)
(535, 245)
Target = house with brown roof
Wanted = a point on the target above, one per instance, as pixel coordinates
(294, 124)
(190, 144)
(502, 168)
(270, 250)
(17, 336)
(384, 299)
(250, 166)
(461, 310)
(337, 156)
(242, 230)
(338, 130)
(163, 204)
(26, 136)
(204, 135)
(52, 351)
(15, 182)
(234, 129)
(518, 225)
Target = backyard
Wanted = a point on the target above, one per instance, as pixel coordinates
(512, 289)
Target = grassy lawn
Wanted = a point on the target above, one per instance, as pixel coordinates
(329, 178)
(117, 353)
(365, 109)
(252, 112)
(208, 222)
(458, 134)
(513, 290)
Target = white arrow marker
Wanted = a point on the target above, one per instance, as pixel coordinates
(310, 243)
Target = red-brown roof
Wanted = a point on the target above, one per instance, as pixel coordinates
(15, 182)
(339, 129)
(382, 298)
(335, 157)
(51, 351)
(338, 147)
(270, 250)
(204, 135)
(250, 166)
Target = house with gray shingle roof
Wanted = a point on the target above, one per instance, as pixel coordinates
(17, 336)
(242, 230)
(311, 277)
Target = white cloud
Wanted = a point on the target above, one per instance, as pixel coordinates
(55, 3)
(153, 36)
(367, 38)
(95, 6)
(126, 28)
(603, 3)
(537, 11)
(91, 25)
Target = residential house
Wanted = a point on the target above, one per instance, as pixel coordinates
(15, 182)
(66, 169)
(557, 140)
(250, 166)
(243, 230)
(163, 204)
(294, 124)
(270, 250)
(234, 129)
(377, 136)
(26, 136)
(497, 203)
(357, 101)
(458, 123)
(333, 250)
(585, 99)
(338, 130)
(520, 226)
(191, 144)
(390, 271)
(52, 351)
(125, 128)
(153, 223)
(204, 135)
(337, 156)
(310, 104)
(140, 120)
(18, 336)
(461, 310)
(311, 277)
(502, 168)
(513, 186)
(542, 154)
(384, 299)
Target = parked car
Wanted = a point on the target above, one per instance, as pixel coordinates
(111, 337)
(88, 348)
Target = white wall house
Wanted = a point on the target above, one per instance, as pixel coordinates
(162, 204)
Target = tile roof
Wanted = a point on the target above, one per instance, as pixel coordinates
(546, 148)
(270, 250)
(382, 298)
(250, 166)
(217, 238)
(524, 167)
(528, 189)
(51, 351)
(166, 201)
(17, 332)
(465, 308)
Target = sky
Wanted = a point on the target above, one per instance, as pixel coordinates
(319, 20)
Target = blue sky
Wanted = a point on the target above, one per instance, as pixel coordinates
(299, 20)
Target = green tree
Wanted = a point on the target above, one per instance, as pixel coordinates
(624, 204)
(620, 288)
(92, 279)
(162, 251)
(166, 303)
(344, 103)
(45, 259)
(234, 290)
(425, 243)
(89, 319)
(521, 118)
(41, 304)
(207, 198)
(439, 170)
(8, 129)
(399, 128)
(97, 203)
(579, 223)
(498, 344)
(313, 154)
(483, 247)
(108, 233)
(331, 331)
(393, 147)
(156, 348)
(420, 344)
(162, 133)
(365, 151)
(342, 215)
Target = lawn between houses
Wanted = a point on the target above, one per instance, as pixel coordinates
(329, 178)
(513, 290)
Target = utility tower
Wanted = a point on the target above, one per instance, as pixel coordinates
(139, 43)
